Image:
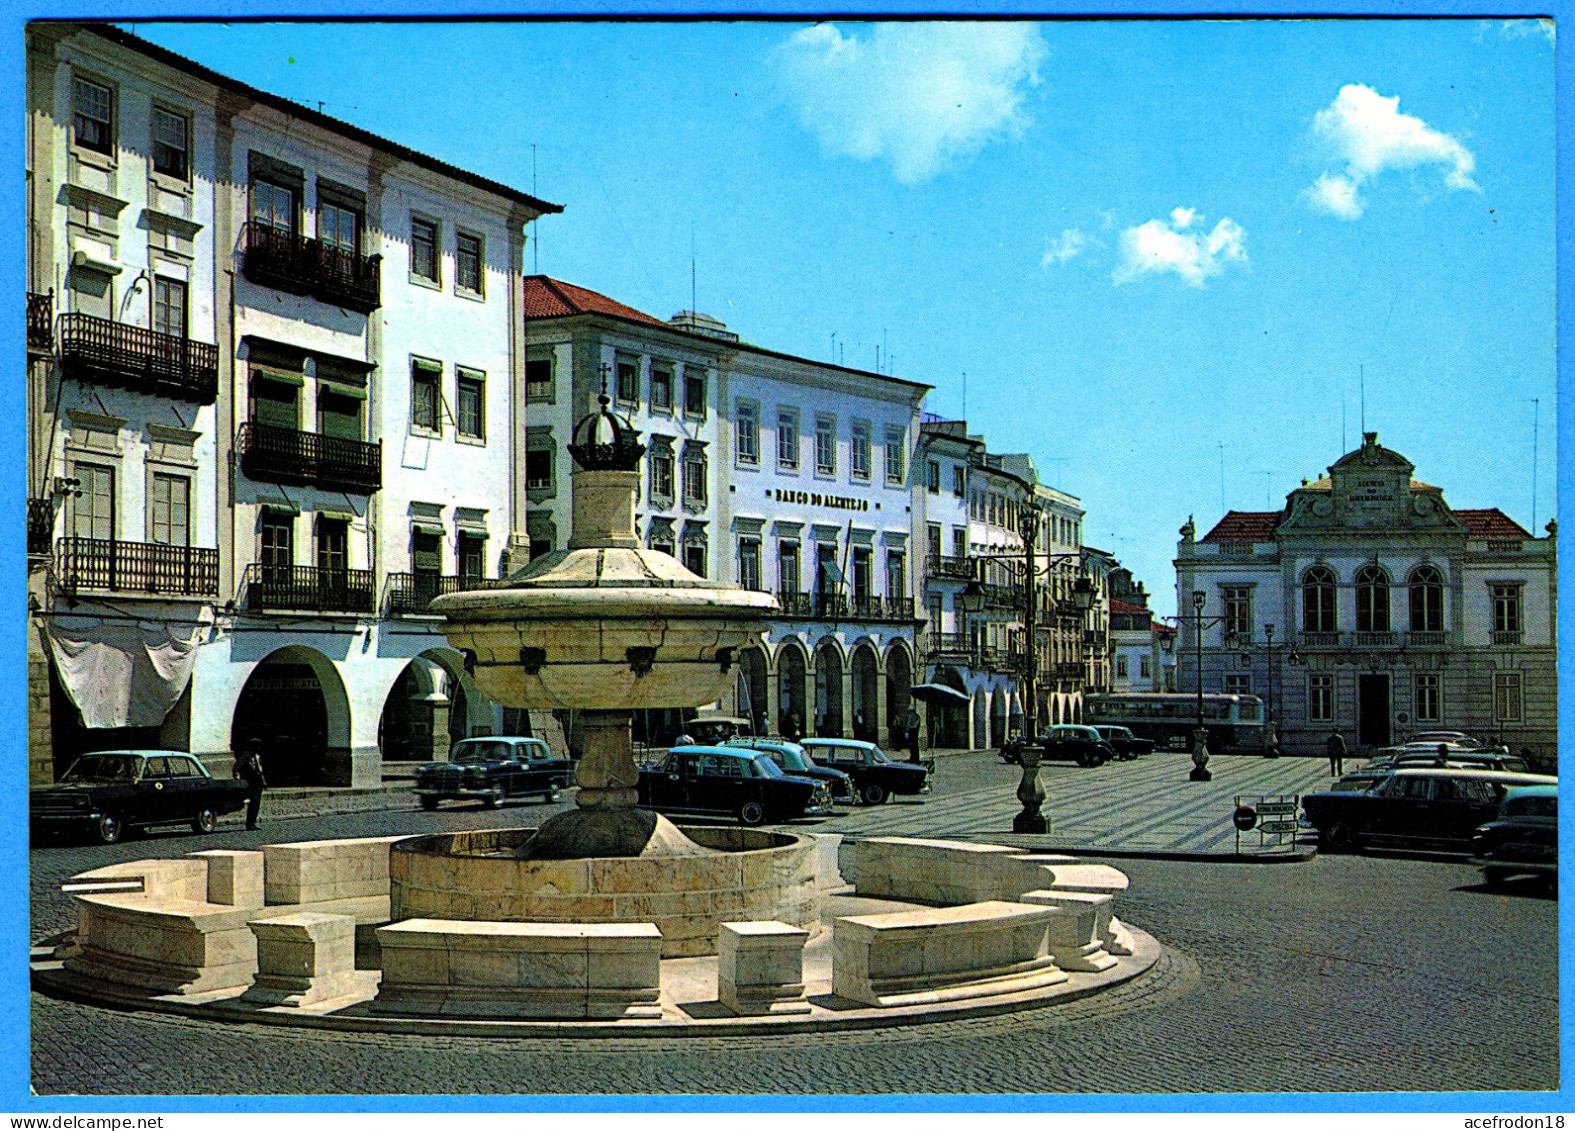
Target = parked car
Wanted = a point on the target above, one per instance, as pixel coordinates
(1080, 744)
(710, 730)
(1523, 838)
(875, 776)
(1467, 759)
(796, 762)
(730, 781)
(492, 770)
(1433, 805)
(1358, 780)
(1453, 737)
(1126, 744)
(115, 790)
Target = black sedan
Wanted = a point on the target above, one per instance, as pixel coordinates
(1079, 744)
(730, 781)
(493, 769)
(875, 776)
(1126, 744)
(115, 790)
(796, 762)
(1524, 838)
(1431, 806)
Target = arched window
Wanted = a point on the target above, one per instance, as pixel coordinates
(1318, 600)
(1372, 600)
(1427, 600)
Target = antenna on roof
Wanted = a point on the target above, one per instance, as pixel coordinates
(693, 302)
(1362, 371)
(1267, 475)
(1536, 408)
(535, 244)
(965, 396)
(1222, 475)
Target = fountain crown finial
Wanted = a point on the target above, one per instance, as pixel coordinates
(605, 441)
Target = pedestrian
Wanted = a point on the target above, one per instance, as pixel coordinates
(1335, 748)
(914, 736)
(249, 768)
(1443, 754)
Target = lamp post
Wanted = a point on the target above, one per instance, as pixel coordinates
(1200, 736)
(1272, 737)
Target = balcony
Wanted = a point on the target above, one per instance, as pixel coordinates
(835, 606)
(136, 567)
(40, 526)
(101, 352)
(957, 568)
(40, 322)
(1002, 597)
(956, 644)
(1066, 671)
(1510, 638)
(295, 264)
(409, 594)
(1426, 639)
(283, 455)
(1320, 640)
(1375, 640)
(308, 588)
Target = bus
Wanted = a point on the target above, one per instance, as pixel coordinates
(1234, 722)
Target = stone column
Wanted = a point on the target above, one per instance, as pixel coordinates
(607, 775)
(882, 735)
(847, 698)
(773, 699)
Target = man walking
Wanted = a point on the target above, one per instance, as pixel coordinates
(249, 768)
(1335, 748)
(914, 726)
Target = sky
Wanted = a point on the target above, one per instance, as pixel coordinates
(1181, 264)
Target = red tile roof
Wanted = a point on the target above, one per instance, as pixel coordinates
(1245, 526)
(553, 298)
(1119, 606)
(1491, 523)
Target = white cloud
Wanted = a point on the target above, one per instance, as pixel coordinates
(1159, 246)
(1366, 133)
(1524, 29)
(1069, 245)
(920, 95)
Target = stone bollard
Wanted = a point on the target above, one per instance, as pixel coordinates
(760, 968)
(303, 959)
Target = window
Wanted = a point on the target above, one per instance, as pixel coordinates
(860, 454)
(538, 379)
(1506, 607)
(694, 476)
(1238, 609)
(825, 445)
(338, 227)
(660, 536)
(661, 389)
(661, 458)
(426, 556)
(1145, 668)
(861, 573)
(426, 396)
(749, 563)
(1121, 667)
(896, 466)
(1318, 600)
(1427, 698)
(423, 250)
(93, 509)
(333, 544)
(959, 541)
(933, 477)
(1372, 600)
(168, 519)
(896, 574)
(628, 381)
(959, 480)
(747, 418)
(695, 555)
(273, 205)
(94, 121)
(1427, 600)
(1320, 698)
(171, 153)
(694, 392)
(787, 567)
(276, 545)
(470, 391)
(169, 307)
(1507, 706)
(538, 469)
(467, 262)
(274, 401)
(472, 555)
(787, 439)
(933, 531)
(338, 414)
(1238, 683)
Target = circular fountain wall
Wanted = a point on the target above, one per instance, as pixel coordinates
(752, 875)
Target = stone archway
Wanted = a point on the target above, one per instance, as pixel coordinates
(899, 678)
(792, 694)
(749, 688)
(295, 703)
(432, 705)
(865, 687)
(827, 721)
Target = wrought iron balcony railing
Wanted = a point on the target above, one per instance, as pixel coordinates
(102, 352)
(41, 322)
(958, 568)
(272, 454)
(836, 606)
(1432, 639)
(950, 644)
(40, 526)
(1375, 639)
(285, 261)
(1320, 640)
(410, 593)
(1510, 637)
(136, 567)
(309, 588)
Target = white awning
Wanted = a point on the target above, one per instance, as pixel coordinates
(123, 673)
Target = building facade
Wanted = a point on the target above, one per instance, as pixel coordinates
(271, 416)
(1391, 612)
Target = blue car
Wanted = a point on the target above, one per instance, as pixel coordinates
(795, 760)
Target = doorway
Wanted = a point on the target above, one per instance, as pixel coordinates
(1373, 710)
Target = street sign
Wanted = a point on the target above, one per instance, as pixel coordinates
(1277, 827)
(1276, 808)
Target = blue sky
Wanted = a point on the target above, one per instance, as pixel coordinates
(1151, 246)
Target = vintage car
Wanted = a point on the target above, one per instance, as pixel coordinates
(875, 776)
(795, 760)
(1464, 759)
(492, 770)
(709, 730)
(1126, 744)
(730, 781)
(115, 790)
(1523, 838)
(1079, 744)
(1434, 805)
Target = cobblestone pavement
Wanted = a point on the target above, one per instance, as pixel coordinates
(1360, 973)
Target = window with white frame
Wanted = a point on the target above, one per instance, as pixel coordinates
(628, 390)
(1506, 607)
(932, 478)
(896, 574)
(1145, 668)
(661, 388)
(1238, 609)
(933, 530)
(695, 488)
(694, 392)
(538, 378)
(1428, 698)
(825, 445)
(470, 403)
(1238, 683)
(788, 557)
(1121, 667)
(426, 395)
(896, 457)
(1318, 600)
(1508, 706)
(424, 262)
(93, 124)
(749, 563)
(787, 439)
(746, 417)
(861, 455)
(467, 263)
(1372, 599)
(171, 144)
(1320, 697)
(169, 307)
(661, 461)
(538, 464)
(1427, 600)
(169, 510)
(959, 480)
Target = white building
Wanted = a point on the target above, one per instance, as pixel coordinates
(1392, 612)
(276, 394)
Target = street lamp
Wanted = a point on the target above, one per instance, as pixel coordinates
(1200, 738)
(1272, 738)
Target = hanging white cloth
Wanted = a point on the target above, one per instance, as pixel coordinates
(123, 673)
